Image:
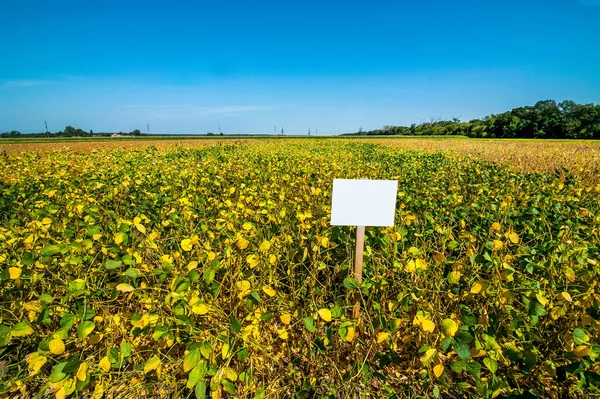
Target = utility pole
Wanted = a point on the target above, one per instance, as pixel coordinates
(282, 130)
(219, 130)
(148, 127)
(316, 132)
(275, 130)
(309, 131)
(46, 123)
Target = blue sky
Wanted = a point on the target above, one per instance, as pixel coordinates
(248, 66)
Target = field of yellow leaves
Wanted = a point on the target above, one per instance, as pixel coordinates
(213, 272)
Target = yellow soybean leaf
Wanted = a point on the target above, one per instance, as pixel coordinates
(496, 227)
(421, 264)
(410, 266)
(497, 244)
(428, 326)
(244, 288)
(426, 358)
(46, 221)
(513, 237)
(581, 351)
(325, 242)
(186, 244)
(438, 368)
(96, 237)
(56, 346)
(82, 372)
(35, 362)
(104, 364)
(151, 364)
(478, 287)
(541, 299)
(230, 374)
(242, 243)
(382, 337)
(225, 351)
(123, 287)
(565, 296)
(140, 228)
(192, 265)
(247, 226)
(14, 272)
(269, 291)
(118, 238)
(325, 314)
(265, 246)
(449, 327)
(200, 309)
(282, 333)
(350, 334)
(285, 318)
(252, 260)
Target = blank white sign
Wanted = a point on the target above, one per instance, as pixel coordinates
(363, 202)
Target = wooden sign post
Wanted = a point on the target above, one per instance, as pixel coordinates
(362, 203)
(358, 267)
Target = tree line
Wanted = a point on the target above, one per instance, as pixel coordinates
(69, 131)
(546, 119)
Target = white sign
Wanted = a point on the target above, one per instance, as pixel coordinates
(363, 202)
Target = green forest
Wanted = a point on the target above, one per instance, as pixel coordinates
(546, 119)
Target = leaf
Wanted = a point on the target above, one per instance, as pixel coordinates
(112, 264)
(140, 228)
(82, 372)
(269, 290)
(191, 360)
(427, 356)
(85, 328)
(35, 361)
(126, 349)
(428, 326)
(477, 287)
(462, 349)
(580, 337)
(235, 324)
(14, 272)
(491, 364)
(513, 237)
(57, 372)
(200, 390)
(497, 245)
(230, 374)
(382, 337)
(200, 308)
(565, 296)
(309, 323)
(449, 327)
(121, 238)
(51, 250)
(325, 314)
(264, 246)
(151, 364)
(242, 243)
(56, 346)
(285, 318)
(21, 329)
(104, 364)
(186, 244)
(351, 283)
(438, 368)
(253, 260)
(123, 287)
(206, 349)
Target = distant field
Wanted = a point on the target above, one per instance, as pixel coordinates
(580, 157)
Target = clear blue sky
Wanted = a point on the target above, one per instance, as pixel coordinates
(190, 66)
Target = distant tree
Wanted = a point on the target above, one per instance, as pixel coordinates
(136, 132)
